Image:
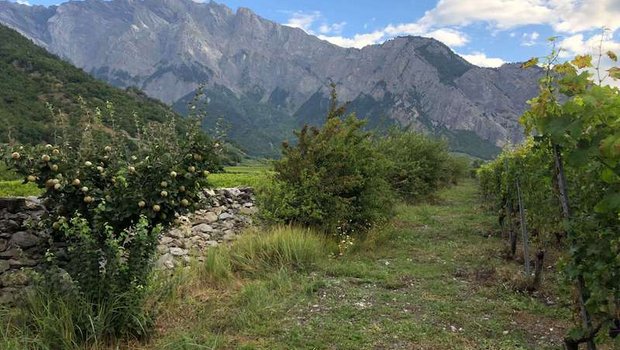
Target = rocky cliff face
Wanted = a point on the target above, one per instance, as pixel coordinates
(267, 79)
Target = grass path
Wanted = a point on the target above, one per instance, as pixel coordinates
(433, 279)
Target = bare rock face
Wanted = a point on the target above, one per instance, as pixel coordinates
(267, 79)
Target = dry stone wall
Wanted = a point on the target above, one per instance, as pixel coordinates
(22, 243)
(224, 215)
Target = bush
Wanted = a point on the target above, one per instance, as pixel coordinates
(108, 198)
(418, 164)
(331, 180)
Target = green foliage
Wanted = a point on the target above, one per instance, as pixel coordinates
(418, 164)
(34, 80)
(107, 203)
(576, 124)
(332, 180)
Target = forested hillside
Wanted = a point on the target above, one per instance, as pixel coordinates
(33, 81)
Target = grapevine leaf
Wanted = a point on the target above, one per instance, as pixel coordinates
(612, 56)
(530, 63)
(609, 176)
(582, 61)
(614, 72)
(611, 203)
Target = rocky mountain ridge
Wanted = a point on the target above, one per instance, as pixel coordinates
(266, 79)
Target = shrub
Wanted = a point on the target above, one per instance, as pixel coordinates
(331, 180)
(107, 199)
(418, 164)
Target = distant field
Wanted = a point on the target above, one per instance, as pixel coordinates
(251, 174)
(15, 188)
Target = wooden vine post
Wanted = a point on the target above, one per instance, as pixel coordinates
(523, 225)
(566, 213)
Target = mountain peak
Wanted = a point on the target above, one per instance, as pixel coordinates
(266, 78)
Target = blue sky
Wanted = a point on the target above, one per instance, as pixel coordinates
(485, 32)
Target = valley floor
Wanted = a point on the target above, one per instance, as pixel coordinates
(432, 279)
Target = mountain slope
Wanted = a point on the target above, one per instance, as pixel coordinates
(275, 78)
(32, 78)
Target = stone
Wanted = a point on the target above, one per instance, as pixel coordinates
(212, 243)
(24, 239)
(165, 261)
(248, 210)
(22, 262)
(162, 249)
(248, 204)
(7, 227)
(4, 265)
(3, 245)
(209, 193)
(166, 240)
(176, 233)
(225, 216)
(229, 236)
(218, 210)
(175, 251)
(15, 278)
(13, 252)
(208, 218)
(202, 228)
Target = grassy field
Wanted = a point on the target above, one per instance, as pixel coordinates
(16, 188)
(251, 174)
(432, 279)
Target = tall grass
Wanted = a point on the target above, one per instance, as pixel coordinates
(258, 253)
(282, 247)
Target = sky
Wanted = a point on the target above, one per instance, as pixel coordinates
(485, 32)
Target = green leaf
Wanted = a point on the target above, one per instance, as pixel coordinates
(611, 203)
(612, 56)
(609, 176)
(614, 72)
(582, 61)
(530, 63)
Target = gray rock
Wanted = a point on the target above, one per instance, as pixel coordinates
(166, 240)
(165, 261)
(23, 262)
(162, 249)
(176, 233)
(4, 265)
(202, 228)
(175, 251)
(225, 216)
(3, 245)
(208, 218)
(248, 210)
(24, 239)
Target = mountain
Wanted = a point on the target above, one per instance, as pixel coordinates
(265, 79)
(32, 78)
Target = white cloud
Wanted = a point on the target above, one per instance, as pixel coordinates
(23, 2)
(529, 39)
(481, 59)
(567, 16)
(357, 41)
(335, 28)
(303, 20)
(448, 36)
